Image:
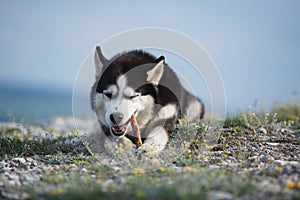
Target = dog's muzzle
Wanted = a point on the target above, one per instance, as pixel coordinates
(118, 130)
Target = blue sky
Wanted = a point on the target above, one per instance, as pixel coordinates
(255, 44)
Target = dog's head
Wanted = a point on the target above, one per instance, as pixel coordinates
(125, 85)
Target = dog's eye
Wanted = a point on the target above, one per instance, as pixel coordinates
(108, 95)
(134, 96)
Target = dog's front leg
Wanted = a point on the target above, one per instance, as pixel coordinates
(155, 142)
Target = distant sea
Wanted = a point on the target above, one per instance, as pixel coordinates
(33, 104)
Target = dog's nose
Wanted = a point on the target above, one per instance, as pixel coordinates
(116, 117)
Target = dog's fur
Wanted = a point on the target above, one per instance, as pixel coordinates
(136, 82)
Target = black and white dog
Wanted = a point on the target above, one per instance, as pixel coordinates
(138, 83)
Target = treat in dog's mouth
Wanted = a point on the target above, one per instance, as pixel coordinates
(136, 130)
(118, 130)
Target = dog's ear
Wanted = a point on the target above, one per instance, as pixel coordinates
(160, 59)
(155, 74)
(100, 61)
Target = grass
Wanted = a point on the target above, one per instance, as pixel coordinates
(168, 184)
(205, 169)
(288, 112)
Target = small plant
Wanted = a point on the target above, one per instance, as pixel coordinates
(289, 113)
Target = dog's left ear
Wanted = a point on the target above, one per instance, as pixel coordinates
(155, 74)
(100, 61)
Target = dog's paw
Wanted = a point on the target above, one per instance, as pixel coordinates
(140, 152)
(144, 152)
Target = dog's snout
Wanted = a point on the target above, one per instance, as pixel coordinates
(116, 117)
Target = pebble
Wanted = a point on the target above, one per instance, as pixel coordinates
(108, 184)
(93, 176)
(272, 143)
(253, 159)
(56, 167)
(82, 170)
(19, 172)
(283, 163)
(20, 160)
(218, 195)
(262, 130)
(266, 159)
(29, 159)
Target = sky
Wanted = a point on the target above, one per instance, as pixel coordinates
(254, 44)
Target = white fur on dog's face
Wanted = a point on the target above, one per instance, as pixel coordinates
(118, 98)
(123, 101)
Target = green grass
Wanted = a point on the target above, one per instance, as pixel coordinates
(15, 147)
(166, 183)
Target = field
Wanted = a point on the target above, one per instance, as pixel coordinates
(252, 157)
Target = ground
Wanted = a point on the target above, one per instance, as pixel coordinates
(251, 157)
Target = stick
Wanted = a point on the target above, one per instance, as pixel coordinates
(136, 130)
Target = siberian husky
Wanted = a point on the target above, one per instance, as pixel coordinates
(137, 83)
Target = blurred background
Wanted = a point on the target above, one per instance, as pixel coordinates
(255, 45)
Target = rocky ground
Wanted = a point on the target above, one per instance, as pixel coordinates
(246, 162)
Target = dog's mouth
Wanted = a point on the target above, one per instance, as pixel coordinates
(119, 130)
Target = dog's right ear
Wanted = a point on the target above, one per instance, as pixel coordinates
(154, 75)
(100, 61)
